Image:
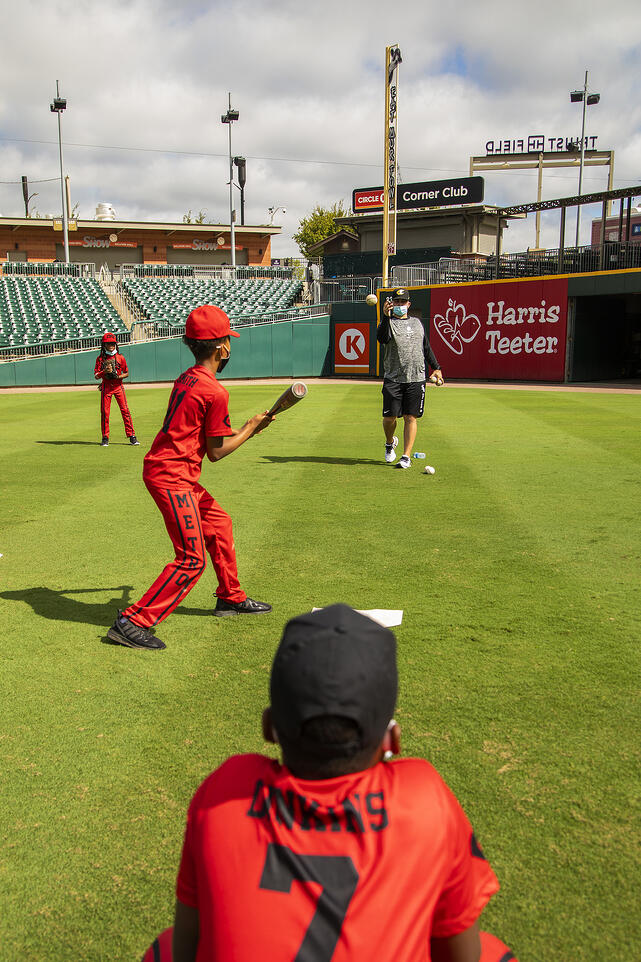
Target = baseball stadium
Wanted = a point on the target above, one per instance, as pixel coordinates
(509, 571)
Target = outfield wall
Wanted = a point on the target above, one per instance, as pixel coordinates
(285, 349)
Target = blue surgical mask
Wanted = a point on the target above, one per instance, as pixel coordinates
(399, 310)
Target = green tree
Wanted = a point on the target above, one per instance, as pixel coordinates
(318, 225)
(198, 218)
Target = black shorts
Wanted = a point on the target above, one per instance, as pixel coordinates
(400, 399)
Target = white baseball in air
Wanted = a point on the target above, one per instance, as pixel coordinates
(428, 469)
(372, 300)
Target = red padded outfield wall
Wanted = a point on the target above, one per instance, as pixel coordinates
(504, 330)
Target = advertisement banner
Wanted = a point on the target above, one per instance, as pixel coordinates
(351, 348)
(433, 193)
(513, 330)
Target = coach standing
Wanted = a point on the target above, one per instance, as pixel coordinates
(407, 359)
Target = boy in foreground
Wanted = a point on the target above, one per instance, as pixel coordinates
(335, 854)
(196, 424)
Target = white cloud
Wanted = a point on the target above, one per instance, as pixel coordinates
(308, 82)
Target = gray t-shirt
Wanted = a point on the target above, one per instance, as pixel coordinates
(404, 360)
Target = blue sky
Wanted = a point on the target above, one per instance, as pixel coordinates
(146, 83)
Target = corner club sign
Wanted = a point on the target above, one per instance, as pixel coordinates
(351, 348)
(507, 330)
(435, 193)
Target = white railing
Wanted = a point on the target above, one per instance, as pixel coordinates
(216, 271)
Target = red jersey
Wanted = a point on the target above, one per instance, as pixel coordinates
(197, 410)
(110, 384)
(365, 866)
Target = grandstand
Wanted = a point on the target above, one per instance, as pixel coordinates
(42, 310)
(169, 300)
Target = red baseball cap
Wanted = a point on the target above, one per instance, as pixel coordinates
(208, 323)
(108, 337)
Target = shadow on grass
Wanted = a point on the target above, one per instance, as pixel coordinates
(313, 460)
(47, 603)
(92, 444)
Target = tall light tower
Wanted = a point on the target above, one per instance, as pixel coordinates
(576, 96)
(229, 118)
(57, 107)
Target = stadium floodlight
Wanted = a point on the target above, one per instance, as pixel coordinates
(272, 211)
(577, 97)
(229, 119)
(59, 104)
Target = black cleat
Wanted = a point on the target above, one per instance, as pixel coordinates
(125, 632)
(246, 607)
(133, 439)
(104, 443)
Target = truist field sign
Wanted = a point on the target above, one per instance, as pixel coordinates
(510, 330)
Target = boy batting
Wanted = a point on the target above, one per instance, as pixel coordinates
(196, 424)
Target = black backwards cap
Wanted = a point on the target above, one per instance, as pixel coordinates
(334, 661)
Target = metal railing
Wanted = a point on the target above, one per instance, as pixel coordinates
(27, 268)
(46, 349)
(157, 328)
(216, 271)
(332, 289)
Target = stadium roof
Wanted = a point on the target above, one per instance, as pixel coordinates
(121, 225)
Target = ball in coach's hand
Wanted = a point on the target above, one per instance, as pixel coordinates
(372, 300)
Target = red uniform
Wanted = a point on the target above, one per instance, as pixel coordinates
(196, 524)
(110, 388)
(364, 866)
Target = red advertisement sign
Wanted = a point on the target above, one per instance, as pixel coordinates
(370, 198)
(507, 330)
(351, 348)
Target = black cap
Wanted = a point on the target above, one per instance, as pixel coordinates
(402, 294)
(334, 661)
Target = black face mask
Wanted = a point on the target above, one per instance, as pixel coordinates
(222, 364)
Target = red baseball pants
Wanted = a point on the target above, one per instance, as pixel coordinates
(105, 407)
(196, 524)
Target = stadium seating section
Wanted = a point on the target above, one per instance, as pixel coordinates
(39, 310)
(170, 300)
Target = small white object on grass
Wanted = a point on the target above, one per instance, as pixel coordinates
(428, 469)
(372, 300)
(387, 617)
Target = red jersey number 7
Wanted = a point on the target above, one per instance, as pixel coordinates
(338, 878)
(174, 403)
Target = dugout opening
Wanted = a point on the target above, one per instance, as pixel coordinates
(605, 332)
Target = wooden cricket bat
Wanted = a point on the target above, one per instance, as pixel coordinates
(294, 393)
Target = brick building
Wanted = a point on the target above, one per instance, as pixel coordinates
(115, 242)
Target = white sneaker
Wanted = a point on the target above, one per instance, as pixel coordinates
(390, 453)
(405, 462)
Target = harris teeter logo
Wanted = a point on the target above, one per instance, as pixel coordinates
(457, 328)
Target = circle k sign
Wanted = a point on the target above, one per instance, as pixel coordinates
(351, 348)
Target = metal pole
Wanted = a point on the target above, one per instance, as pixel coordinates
(231, 198)
(538, 198)
(65, 224)
(562, 239)
(578, 209)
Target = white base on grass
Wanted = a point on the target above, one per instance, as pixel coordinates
(387, 617)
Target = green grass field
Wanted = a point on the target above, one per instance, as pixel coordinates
(517, 567)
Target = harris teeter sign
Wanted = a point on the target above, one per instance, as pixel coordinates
(434, 193)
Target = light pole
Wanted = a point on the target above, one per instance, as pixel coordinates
(57, 107)
(576, 96)
(272, 211)
(229, 118)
